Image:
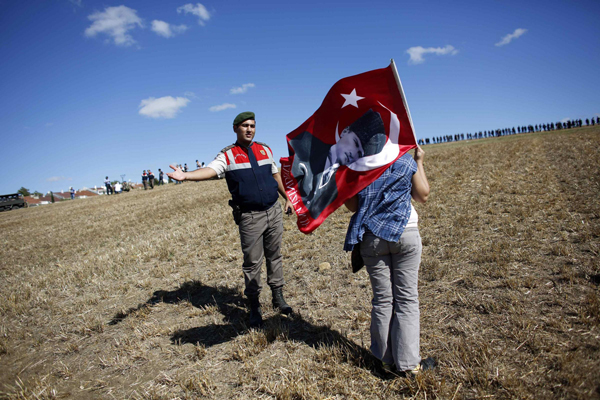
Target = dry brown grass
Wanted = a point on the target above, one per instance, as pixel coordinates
(140, 295)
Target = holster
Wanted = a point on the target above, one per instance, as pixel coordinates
(236, 211)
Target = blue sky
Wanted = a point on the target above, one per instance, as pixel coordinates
(91, 88)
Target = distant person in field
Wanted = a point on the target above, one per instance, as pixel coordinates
(255, 185)
(145, 180)
(151, 179)
(384, 230)
(198, 164)
(161, 176)
(118, 187)
(108, 186)
(72, 193)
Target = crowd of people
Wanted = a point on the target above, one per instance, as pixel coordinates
(577, 123)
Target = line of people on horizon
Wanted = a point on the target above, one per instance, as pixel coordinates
(577, 123)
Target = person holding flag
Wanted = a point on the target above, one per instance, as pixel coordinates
(367, 167)
(255, 185)
(384, 230)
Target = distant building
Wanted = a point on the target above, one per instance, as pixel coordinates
(33, 201)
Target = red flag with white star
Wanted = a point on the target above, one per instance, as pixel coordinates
(360, 129)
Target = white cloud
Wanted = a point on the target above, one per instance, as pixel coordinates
(222, 107)
(416, 53)
(115, 22)
(508, 38)
(76, 3)
(198, 10)
(190, 95)
(242, 89)
(167, 30)
(163, 107)
(564, 120)
(58, 178)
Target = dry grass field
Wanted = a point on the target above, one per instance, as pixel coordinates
(139, 296)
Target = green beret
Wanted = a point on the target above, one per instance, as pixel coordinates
(241, 117)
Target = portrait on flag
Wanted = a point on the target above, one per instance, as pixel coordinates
(362, 127)
(316, 163)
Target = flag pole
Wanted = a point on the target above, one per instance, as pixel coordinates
(395, 70)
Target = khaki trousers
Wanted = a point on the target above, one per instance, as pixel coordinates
(260, 234)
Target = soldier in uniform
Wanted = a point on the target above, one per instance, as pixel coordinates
(151, 179)
(145, 180)
(255, 185)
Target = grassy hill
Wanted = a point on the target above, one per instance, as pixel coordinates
(140, 295)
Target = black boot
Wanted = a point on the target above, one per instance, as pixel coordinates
(279, 302)
(255, 312)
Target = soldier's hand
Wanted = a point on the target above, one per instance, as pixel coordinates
(289, 208)
(177, 173)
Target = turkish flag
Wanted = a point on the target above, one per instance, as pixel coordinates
(360, 129)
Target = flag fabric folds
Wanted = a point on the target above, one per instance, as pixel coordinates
(362, 126)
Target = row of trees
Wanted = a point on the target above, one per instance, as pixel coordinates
(25, 192)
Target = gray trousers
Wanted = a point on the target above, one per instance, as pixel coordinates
(393, 269)
(260, 234)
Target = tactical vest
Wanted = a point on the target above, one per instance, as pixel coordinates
(249, 176)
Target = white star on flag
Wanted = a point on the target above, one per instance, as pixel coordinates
(351, 99)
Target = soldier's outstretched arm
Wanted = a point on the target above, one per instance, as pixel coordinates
(197, 175)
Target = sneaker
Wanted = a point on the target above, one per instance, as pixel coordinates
(425, 365)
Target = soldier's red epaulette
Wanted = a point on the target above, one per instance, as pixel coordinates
(262, 144)
(231, 146)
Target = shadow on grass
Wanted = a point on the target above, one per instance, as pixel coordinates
(233, 307)
(229, 302)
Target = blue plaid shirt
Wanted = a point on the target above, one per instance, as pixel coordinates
(384, 205)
